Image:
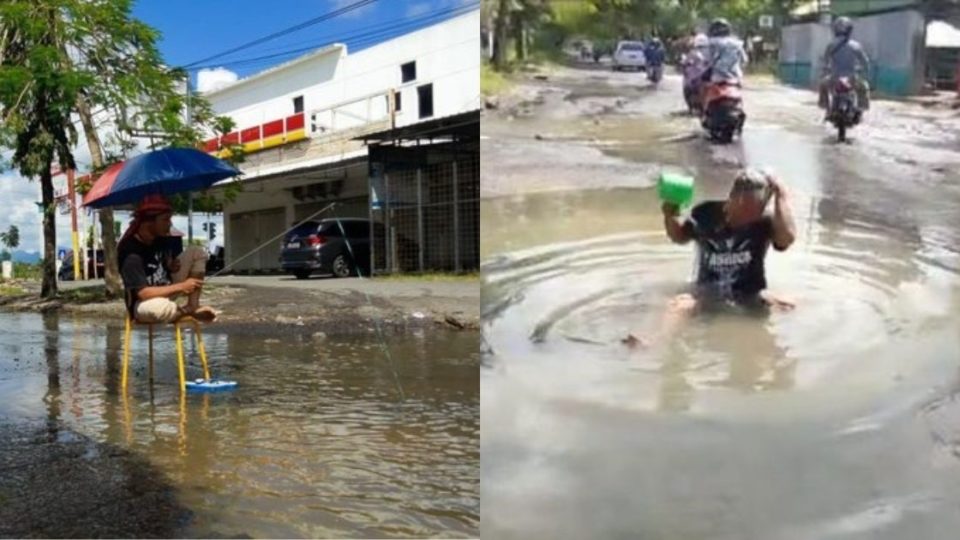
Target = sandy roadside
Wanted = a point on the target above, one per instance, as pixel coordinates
(270, 304)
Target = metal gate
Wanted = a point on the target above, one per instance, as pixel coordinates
(427, 217)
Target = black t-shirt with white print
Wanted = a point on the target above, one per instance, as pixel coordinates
(730, 261)
(142, 265)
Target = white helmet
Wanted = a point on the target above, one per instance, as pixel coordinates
(700, 41)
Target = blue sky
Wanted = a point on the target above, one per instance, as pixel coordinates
(195, 29)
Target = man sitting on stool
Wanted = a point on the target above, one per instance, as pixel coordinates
(152, 276)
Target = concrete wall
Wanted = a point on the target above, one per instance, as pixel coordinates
(857, 7)
(894, 42)
(801, 53)
(269, 96)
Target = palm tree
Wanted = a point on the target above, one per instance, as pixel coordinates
(11, 238)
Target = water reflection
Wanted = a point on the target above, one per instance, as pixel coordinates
(735, 402)
(754, 363)
(315, 442)
(51, 349)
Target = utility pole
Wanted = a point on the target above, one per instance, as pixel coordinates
(189, 194)
(72, 197)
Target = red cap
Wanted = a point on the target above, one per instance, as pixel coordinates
(154, 205)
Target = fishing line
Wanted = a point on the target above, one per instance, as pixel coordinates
(376, 320)
(275, 238)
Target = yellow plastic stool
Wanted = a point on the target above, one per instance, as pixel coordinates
(180, 364)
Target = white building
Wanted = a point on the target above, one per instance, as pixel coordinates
(305, 126)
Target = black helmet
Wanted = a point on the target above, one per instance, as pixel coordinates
(719, 27)
(656, 41)
(842, 27)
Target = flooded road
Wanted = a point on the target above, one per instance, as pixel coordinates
(316, 441)
(836, 420)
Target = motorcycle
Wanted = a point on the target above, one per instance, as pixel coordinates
(692, 71)
(723, 115)
(691, 96)
(655, 73)
(843, 109)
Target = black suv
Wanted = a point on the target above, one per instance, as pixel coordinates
(320, 247)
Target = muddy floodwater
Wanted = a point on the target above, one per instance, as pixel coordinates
(315, 442)
(839, 419)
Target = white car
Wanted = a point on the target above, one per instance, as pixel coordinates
(629, 54)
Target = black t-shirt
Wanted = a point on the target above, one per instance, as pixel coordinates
(142, 265)
(730, 261)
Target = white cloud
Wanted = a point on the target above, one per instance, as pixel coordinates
(209, 80)
(19, 196)
(418, 9)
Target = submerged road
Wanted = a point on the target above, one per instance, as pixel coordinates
(837, 420)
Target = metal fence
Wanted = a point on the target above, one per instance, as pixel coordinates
(427, 217)
(943, 68)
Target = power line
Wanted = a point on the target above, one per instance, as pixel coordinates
(285, 31)
(326, 38)
(363, 37)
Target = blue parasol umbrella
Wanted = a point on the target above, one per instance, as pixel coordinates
(167, 172)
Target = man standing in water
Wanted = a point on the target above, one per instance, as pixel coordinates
(732, 238)
(152, 276)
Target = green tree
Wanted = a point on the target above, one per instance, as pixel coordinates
(501, 28)
(11, 238)
(92, 58)
(38, 87)
(141, 95)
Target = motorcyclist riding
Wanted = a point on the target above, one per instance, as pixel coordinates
(655, 52)
(842, 58)
(655, 55)
(726, 54)
(722, 106)
(694, 63)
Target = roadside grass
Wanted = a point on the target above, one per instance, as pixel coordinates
(28, 271)
(11, 290)
(85, 295)
(492, 82)
(468, 277)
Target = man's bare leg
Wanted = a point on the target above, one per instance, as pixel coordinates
(679, 310)
(193, 263)
(776, 301)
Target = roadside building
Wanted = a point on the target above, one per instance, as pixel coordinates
(943, 56)
(892, 33)
(305, 126)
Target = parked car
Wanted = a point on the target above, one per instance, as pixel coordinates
(66, 269)
(629, 55)
(319, 247)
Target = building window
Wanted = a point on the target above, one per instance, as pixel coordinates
(298, 104)
(425, 100)
(397, 102)
(408, 72)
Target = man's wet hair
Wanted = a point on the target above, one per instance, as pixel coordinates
(752, 182)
